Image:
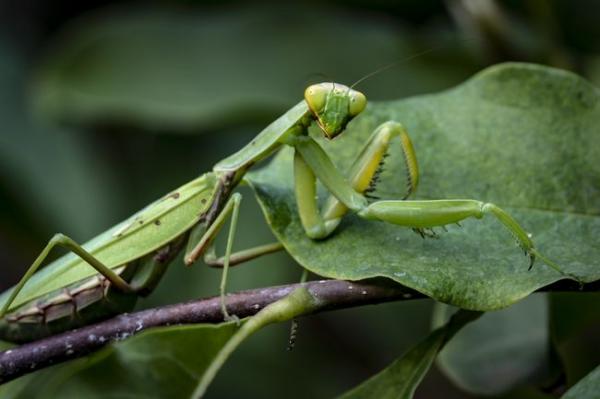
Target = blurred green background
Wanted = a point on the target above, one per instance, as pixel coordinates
(105, 106)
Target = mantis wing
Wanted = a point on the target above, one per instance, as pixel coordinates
(148, 230)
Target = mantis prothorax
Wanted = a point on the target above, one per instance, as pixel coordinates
(105, 275)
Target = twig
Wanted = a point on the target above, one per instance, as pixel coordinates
(333, 294)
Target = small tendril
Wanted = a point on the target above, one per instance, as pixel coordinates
(293, 334)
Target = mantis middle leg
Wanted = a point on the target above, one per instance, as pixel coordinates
(205, 246)
(211, 258)
(231, 208)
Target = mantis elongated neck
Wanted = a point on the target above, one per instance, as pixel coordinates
(265, 143)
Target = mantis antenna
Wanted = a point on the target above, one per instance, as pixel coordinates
(402, 61)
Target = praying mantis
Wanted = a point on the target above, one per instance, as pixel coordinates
(104, 276)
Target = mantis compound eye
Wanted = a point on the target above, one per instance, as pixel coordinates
(316, 96)
(358, 102)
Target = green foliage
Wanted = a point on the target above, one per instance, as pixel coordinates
(519, 135)
(401, 378)
(501, 350)
(34, 156)
(163, 69)
(184, 67)
(587, 388)
(159, 363)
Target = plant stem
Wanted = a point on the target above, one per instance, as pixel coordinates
(331, 295)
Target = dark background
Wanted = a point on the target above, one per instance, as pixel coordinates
(105, 106)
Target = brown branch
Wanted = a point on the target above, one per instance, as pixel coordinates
(333, 294)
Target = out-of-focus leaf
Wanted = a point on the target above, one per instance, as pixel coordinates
(501, 350)
(520, 135)
(159, 363)
(587, 388)
(53, 172)
(575, 320)
(402, 377)
(572, 312)
(187, 69)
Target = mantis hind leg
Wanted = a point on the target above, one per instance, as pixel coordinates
(62, 240)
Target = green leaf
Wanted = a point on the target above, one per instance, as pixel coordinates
(163, 362)
(499, 351)
(520, 135)
(587, 388)
(572, 313)
(401, 378)
(572, 316)
(53, 173)
(174, 69)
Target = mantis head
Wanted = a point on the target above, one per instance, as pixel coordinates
(333, 106)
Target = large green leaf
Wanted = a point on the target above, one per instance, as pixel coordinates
(402, 377)
(163, 362)
(522, 136)
(167, 69)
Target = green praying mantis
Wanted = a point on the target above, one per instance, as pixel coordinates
(105, 276)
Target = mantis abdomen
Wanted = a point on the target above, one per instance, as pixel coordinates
(89, 300)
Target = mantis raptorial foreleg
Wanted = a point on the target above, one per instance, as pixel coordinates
(62, 240)
(306, 198)
(311, 162)
(368, 164)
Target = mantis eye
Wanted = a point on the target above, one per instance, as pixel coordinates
(358, 102)
(315, 96)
